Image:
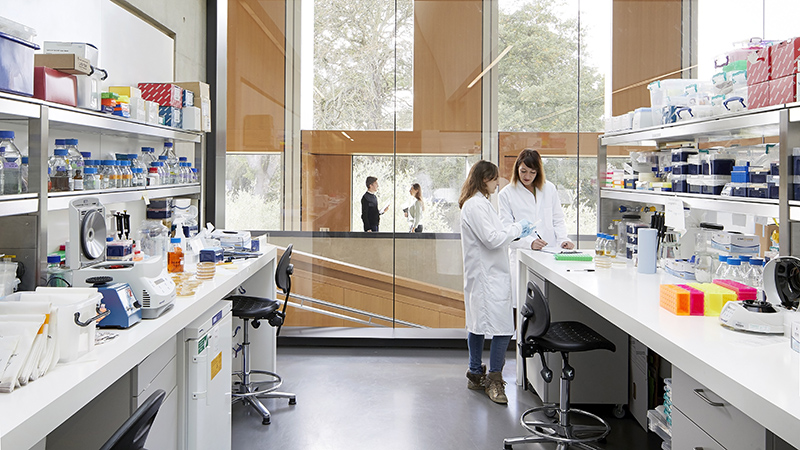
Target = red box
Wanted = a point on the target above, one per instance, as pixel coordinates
(758, 71)
(165, 94)
(54, 86)
(784, 58)
(783, 90)
(758, 95)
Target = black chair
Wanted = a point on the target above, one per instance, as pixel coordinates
(132, 434)
(540, 337)
(256, 309)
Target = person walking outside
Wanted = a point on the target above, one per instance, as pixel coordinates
(370, 214)
(487, 281)
(414, 212)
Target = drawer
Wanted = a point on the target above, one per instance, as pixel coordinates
(153, 365)
(732, 428)
(686, 435)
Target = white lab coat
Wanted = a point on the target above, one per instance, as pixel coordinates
(518, 203)
(487, 281)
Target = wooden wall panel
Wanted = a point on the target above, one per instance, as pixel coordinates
(256, 65)
(447, 57)
(646, 44)
(326, 181)
(429, 142)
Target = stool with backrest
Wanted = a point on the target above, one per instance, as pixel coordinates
(256, 309)
(133, 433)
(539, 336)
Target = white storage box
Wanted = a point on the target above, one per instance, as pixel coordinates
(138, 109)
(151, 112)
(82, 49)
(74, 340)
(735, 242)
(192, 119)
(89, 91)
(240, 240)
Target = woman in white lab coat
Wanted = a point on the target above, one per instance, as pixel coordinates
(487, 282)
(529, 196)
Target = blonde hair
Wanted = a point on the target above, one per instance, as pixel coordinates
(479, 174)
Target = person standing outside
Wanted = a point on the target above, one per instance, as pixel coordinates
(370, 215)
(487, 282)
(414, 212)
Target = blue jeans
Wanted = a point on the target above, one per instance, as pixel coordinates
(497, 352)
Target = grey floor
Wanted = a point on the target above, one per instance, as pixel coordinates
(396, 398)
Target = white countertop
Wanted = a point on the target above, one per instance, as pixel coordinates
(758, 374)
(31, 412)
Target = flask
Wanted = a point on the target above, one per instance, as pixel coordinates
(175, 256)
(91, 181)
(60, 171)
(153, 177)
(56, 275)
(11, 159)
(76, 162)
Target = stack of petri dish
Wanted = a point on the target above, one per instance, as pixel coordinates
(206, 270)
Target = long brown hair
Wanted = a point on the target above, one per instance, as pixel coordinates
(476, 180)
(533, 160)
(418, 195)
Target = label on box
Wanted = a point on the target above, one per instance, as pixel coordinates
(205, 113)
(165, 94)
(188, 98)
(758, 67)
(782, 90)
(758, 95)
(171, 116)
(784, 58)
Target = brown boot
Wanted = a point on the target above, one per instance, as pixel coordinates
(477, 381)
(495, 388)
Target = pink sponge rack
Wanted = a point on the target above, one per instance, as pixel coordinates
(696, 300)
(743, 291)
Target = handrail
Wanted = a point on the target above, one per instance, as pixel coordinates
(371, 316)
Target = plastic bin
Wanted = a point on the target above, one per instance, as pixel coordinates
(739, 189)
(694, 184)
(682, 154)
(774, 169)
(713, 184)
(679, 183)
(681, 168)
(74, 340)
(16, 71)
(795, 188)
(796, 161)
(773, 182)
(720, 164)
(758, 190)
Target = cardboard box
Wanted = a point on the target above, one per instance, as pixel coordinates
(199, 88)
(64, 62)
(784, 58)
(130, 91)
(783, 90)
(758, 71)
(192, 119)
(758, 95)
(165, 94)
(735, 242)
(764, 232)
(122, 110)
(54, 86)
(82, 49)
(171, 116)
(151, 112)
(188, 98)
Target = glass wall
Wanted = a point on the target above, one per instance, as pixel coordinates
(323, 94)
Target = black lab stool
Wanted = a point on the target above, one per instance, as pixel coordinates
(541, 336)
(256, 309)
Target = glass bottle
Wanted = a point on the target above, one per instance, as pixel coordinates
(175, 256)
(127, 173)
(148, 156)
(722, 269)
(153, 177)
(163, 173)
(755, 276)
(11, 159)
(164, 160)
(91, 181)
(76, 162)
(194, 175)
(745, 265)
(599, 245)
(135, 162)
(23, 174)
(138, 177)
(183, 177)
(734, 270)
(60, 171)
(610, 247)
(56, 275)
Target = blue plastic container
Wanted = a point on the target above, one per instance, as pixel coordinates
(16, 67)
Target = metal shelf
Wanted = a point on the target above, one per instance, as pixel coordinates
(794, 210)
(18, 107)
(80, 120)
(60, 200)
(11, 205)
(742, 205)
(746, 124)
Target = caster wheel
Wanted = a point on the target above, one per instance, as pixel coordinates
(619, 411)
(292, 401)
(550, 413)
(265, 422)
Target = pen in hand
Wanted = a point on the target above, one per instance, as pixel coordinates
(580, 270)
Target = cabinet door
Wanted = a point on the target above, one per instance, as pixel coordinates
(716, 416)
(686, 435)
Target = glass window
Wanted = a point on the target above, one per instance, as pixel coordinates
(253, 186)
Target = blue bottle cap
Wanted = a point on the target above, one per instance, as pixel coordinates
(71, 141)
(744, 258)
(182, 158)
(723, 258)
(125, 163)
(86, 155)
(89, 170)
(162, 157)
(109, 239)
(53, 259)
(133, 156)
(24, 159)
(6, 135)
(60, 141)
(176, 240)
(734, 262)
(2, 149)
(60, 152)
(167, 144)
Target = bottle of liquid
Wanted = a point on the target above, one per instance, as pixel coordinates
(745, 265)
(11, 159)
(76, 161)
(610, 248)
(755, 276)
(148, 156)
(56, 275)
(734, 270)
(722, 269)
(153, 177)
(163, 173)
(138, 177)
(60, 171)
(127, 173)
(135, 162)
(183, 176)
(23, 173)
(91, 181)
(599, 245)
(175, 256)
(168, 177)
(194, 175)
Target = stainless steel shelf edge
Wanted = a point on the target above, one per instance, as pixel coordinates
(760, 122)
(19, 204)
(19, 109)
(62, 117)
(60, 201)
(741, 205)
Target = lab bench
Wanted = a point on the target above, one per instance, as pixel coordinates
(30, 413)
(757, 377)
